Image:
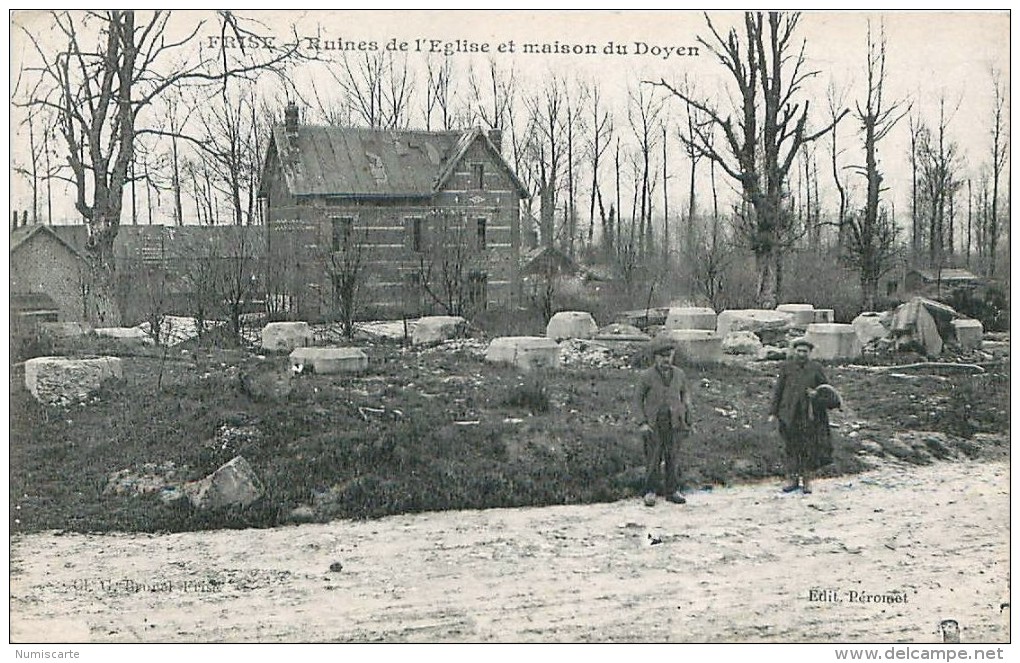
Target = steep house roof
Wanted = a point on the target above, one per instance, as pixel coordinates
(366, 163)
(24, 233)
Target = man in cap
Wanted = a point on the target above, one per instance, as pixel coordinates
(664, 415)
(802, 413)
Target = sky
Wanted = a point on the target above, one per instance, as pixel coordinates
(931, 55)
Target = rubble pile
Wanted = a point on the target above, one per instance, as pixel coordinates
(589, 354)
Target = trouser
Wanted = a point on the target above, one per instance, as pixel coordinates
(662, 459)
(796, 452)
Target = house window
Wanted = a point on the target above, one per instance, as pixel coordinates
(415, 228)
(480, 232)
(342, 228)
(478, 289)
(478, 175)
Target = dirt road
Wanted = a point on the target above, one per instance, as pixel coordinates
(740, 564)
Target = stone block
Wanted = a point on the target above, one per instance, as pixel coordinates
(438, 328)
(694, 346)
(691, 317)
(327, 361)
(833, 341)
(571, 324)
(824, 315)
(57, 380)
(754, 320)
(969, 333)
(802, 315)
(128, 337)
(525, 352)
(741, 343)
(869, 327)
(285, 336)
(233, 484)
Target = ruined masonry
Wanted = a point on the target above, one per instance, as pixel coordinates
(438, 328)
(56, 380)
(833, 341)
(694, 346)
(326, 361)
(691, 318)
(233, 484)
(285, 336)
(571, 324)
(524, 352)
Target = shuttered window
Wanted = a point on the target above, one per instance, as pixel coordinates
(343, 227)
(414, 233)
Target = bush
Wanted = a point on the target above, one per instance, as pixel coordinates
(991, 308)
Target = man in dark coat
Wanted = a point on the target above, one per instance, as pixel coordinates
(802, 410)
(664, 415)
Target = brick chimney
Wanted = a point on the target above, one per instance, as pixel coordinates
(290, 119)
(496, 138)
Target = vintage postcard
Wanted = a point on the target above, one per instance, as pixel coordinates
(428, 326)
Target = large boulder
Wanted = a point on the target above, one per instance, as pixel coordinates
(741, 343)
(969, 333)
(691, 317)
(914, 325)
(59, 380)
(693, 346)
(233, 484)
(285, 336)
(753, 320)
(438, 328)
(833, 341)
(525, 352)
(870, 326)
(802, 314)
(571, 324)
(328, 360)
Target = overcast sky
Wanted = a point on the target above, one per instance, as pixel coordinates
(930, 55)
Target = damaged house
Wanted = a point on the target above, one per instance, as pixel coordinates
(422, 222)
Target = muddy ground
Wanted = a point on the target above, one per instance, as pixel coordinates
(736, 564)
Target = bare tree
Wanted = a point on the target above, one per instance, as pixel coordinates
(1000, 157)
(346, 268)
(600, 137)
(644, 112)
(574, 100)
(938, 181)
(547, 117)
(764, 133)
(99, 90)
(438, 97)
(230, 127)
(836, 104)
(450, 264)
(871, 236)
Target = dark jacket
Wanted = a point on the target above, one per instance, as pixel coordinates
(789, 399)
(654, 392)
